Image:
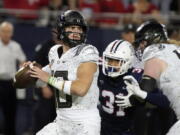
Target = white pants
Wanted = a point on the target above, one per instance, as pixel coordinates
(67, 127)
(175, 129)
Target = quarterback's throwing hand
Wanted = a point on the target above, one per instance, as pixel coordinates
(39, 73)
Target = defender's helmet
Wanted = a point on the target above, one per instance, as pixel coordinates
(71, 17)
(150, 31)
(121, 51)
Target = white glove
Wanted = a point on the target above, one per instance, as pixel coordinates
(133, 85)
(123, 101)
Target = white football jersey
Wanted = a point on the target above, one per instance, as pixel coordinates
(169, 81)
(65, 67)
(137, 63)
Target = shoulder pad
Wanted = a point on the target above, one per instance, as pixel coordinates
(89, 53)
(152, 51)
(80, 48)
(89, 49)
(53, 52)
(137, 70)
(137, 73)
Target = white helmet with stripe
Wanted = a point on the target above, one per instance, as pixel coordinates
(120, 51)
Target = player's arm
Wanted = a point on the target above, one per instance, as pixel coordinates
(85, 75)
(80, 86)
(140, 97)
(144, 90)
(152, 71)
(155, 97)
(158, 98)
(153, 68)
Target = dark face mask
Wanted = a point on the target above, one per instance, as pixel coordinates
(73, 42)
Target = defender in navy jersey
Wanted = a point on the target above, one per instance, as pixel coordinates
(116, 103)
(115, 119)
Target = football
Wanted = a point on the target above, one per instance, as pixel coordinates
(23, 79)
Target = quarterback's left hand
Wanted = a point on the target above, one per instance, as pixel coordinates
(123, 100)
(133, 86)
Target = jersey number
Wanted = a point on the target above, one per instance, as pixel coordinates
(109, 107)
(62, 100)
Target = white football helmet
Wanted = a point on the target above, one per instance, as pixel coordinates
(121, 51)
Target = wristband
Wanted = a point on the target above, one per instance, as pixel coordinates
(67, 87)
(64, 86)
(142, 94)
(58, 84)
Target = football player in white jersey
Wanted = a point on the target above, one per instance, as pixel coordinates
(161, 58)
(73, 72)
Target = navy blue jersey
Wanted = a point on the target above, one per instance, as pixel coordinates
(109, 88)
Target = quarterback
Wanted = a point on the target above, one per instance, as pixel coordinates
(73, 72)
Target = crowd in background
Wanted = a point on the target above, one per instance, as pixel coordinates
(103, 13)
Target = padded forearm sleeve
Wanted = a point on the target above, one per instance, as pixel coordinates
(148, 83)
